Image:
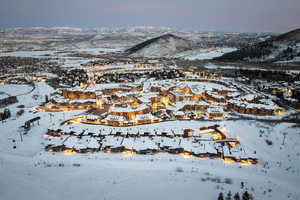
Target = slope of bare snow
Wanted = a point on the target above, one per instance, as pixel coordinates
(204, 54)
(165, 45)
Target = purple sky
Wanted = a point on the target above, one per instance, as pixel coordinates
(212, 15)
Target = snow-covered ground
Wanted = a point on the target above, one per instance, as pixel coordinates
(213, 66)
(166, 45)
(64, 59)
(42, 54)
(204, 54)
(97, 51)
(33, 54)
(28, 172)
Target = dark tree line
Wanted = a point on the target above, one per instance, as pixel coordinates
(267, 75)
(254, 51)
(131, 77)
(244, 196)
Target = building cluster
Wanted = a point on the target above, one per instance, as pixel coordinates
(253, 104)
(287, 92)
(205, 142)
(22, 78)
(14, 79)
(153, 101)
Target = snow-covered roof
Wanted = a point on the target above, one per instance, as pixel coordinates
(181, 104)
(179, 113)
(215, 109)
(147, 116)
(130, 109)
(115, 118)
(179, 94)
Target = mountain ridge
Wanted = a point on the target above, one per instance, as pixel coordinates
(164, 45)
(281, 48)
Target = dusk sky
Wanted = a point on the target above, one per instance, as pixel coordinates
(211, 15)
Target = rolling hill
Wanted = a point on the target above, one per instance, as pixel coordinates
(165, 45)
(281, 48)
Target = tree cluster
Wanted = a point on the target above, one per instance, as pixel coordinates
(73, 77)
(267, 75)
(5, 115)
(244, 196)
(131, 77)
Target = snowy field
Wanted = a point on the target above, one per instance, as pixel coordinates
(33, 54)
(64, 58)
(29, 172)
(44, 54)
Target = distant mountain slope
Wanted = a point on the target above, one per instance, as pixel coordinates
(164, 45)
(281, 48)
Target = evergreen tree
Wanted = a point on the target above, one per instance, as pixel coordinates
(221, 196)
(46, 98)
(6, 113)
(242, 185)
(236, 196)
(229, 195)
(246, 196)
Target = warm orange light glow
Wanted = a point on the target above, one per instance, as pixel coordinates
(36, 108)
(69, 152)
(245, 162)
(154, 106)
(127, 153)
(186, 155)
(204, 127)
(278, 112)
(185, 117)
(228, 160)
(131, 116)
(190, 137)
(233, 144)
(165, 100)
(76, 119)
(214, 135)
(99, 103)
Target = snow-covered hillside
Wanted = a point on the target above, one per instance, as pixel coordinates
(165, 45)
(203, 54)
(282, 48)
